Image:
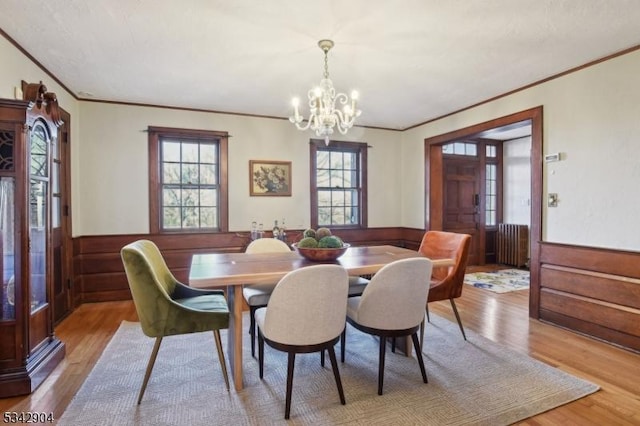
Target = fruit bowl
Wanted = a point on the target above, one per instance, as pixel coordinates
(317, 254)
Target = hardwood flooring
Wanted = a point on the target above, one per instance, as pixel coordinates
(500, 317)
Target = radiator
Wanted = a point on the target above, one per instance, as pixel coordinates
(513, 244)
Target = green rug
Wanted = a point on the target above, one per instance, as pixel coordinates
(501, 281)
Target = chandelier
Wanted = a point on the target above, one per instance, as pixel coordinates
(323, 115)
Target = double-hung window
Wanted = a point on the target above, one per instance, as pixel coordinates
(188, 180)
(338, 184)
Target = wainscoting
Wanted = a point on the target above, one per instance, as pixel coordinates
(589, 290)
(99, 275)
(592, 291)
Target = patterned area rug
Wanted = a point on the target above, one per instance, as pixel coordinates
(501, 281)
(475, 382)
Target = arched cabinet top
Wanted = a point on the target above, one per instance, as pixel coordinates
(42, 103)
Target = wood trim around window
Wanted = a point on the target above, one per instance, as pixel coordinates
(362, 148)
(154, 173)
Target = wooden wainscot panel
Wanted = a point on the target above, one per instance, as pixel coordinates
(623, 319)
(592, 291)
(99, 274)
(615, 337)
(608, 261)
(614, 289)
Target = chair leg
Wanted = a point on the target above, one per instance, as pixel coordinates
(252, 329)
(147, 374)
(422, 333)
(336, 374)
(290, 366)
(223, 364)
(418, 347)
(383, 344)
(427, 311)
(261, 353)
(322, 358)
(393, 345)
(343, 341)
(455, 311)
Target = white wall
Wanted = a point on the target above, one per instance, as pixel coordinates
(592, 116)
(516, 181)
(114, 185)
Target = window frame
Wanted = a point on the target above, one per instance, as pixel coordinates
(361, 149)
(156, 134)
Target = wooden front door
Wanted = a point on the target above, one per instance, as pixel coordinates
(461, 197)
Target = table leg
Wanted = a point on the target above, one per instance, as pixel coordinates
(234, 339)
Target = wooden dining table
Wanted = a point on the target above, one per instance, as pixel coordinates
(233, 270)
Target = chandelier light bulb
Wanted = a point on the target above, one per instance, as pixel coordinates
(323, 115)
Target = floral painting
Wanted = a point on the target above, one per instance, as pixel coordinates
(270, 177)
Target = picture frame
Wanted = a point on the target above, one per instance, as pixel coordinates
(269, 178)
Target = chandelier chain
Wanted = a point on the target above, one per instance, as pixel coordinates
(326, 63)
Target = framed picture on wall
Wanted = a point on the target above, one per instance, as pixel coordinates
(269, 178)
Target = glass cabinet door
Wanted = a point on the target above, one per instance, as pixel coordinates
(7, 252)
(38, 207)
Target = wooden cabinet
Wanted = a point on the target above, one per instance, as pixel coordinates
(29, 350)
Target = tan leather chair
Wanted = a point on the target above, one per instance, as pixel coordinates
(392, 305)
(166, 307)
(446, 283)
(305, 314)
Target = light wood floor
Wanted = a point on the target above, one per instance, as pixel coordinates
(499, 317)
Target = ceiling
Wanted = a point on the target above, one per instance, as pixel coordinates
(411, 60)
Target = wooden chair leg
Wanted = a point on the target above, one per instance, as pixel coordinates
(290, 366)
(383, 344)
(455, 311)
(260, 353)
(150, 364)
(336, 373)
(422, 333)
(223, 364)
(343, 341)
(322, 358)
(418, 347)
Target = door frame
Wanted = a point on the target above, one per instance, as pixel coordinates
(434, 184)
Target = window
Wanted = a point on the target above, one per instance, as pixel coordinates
(187, 180)
(491, 194)
(491, 185)
(460, 148)
(338, 184)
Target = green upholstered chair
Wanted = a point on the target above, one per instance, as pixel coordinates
(166, 307)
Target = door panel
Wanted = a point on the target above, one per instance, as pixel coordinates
(461, 201)
(61, 224)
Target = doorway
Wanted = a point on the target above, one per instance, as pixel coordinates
(435, 179)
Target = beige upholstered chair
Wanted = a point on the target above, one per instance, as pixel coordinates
(392, 305)
(305, 314)
(257, 295)
(166, 307)
(446, 283)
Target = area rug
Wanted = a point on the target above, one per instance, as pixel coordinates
(476, 382)
(501, 281)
